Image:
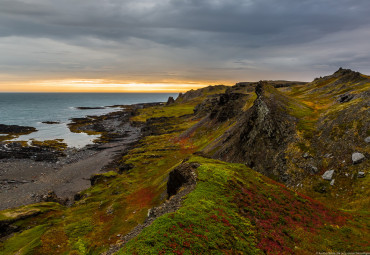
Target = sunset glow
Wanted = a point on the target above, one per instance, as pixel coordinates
(99, 85)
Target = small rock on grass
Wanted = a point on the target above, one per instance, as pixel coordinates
(328, 175)
(357, 157)
(361, 175)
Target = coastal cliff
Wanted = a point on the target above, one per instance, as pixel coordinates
(269, 167)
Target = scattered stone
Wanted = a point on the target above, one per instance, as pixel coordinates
(361, 175)
(312, 169)
(332, 182)
(328, 155)
(306, 155)
(357, 157)
(367, 139)
(328, 175)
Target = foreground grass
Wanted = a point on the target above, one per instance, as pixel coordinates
(234, 210)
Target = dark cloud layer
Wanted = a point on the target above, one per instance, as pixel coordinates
(183, 39)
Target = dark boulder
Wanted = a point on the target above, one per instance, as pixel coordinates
(182, 175)
(15, 129)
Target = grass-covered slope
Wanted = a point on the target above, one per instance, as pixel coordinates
(335, 127)
(234, 210)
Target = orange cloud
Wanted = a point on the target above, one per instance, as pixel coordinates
(99, 85)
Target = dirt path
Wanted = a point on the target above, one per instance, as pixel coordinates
(23, 181)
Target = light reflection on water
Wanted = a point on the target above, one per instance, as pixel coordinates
(30, 109)
(59, 131)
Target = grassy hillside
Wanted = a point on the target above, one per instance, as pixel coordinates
(235, 210)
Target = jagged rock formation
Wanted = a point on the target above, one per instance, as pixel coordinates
(285, 130)
(170, 101)
(260, 135)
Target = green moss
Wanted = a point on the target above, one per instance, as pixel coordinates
(28, 211)
(79, 228)
(174, 110)
(207, 222)
(23, 243)
(235, 210)
(56, 144)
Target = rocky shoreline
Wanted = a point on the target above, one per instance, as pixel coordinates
(48, 171)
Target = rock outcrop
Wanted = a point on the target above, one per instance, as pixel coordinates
(170, 101)
(183, 175)
(261, 134)
(15, 129)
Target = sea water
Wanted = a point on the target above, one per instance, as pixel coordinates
(31, 109)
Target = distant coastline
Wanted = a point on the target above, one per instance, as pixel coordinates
(39, 110)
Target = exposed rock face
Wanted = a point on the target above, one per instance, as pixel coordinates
(206, 106)
(260, 136)
(328, 175)
(344, 98)
(228, 106)
(357, 157)
(170, 101)
(183, 175)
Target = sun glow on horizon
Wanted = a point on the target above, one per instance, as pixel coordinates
(100, 85)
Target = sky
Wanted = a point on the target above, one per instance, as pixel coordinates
(176, 45)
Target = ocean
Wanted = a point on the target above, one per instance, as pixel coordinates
(31, 109)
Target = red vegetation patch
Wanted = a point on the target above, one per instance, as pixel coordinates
(278, 212)
(142, 198)
(53, 241)
(186, 145)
